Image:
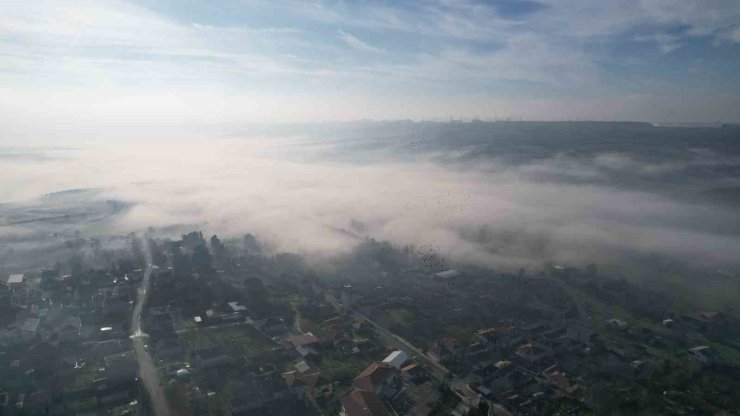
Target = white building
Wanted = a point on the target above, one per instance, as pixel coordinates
(13, 280)
(29, 328)
(447, 274)
(700, 353)
(396, 359)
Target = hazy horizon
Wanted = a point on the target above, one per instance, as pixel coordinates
(369, 208)
(111, 70)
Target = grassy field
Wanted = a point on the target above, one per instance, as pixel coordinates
(401, 316)
(343, 367)
(252, 342)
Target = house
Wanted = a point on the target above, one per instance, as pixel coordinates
(236, 307)
(272, 326)
(414, 373)
(531, 352)
(702, 355)
(447, 274)
(704, 317)
(616, 323)
(499, 335)
(504, 365)
(560, 382)
(364, 346)
(478, 350)
(382, 379)
(641, 368)
(306, 383)
(713, 321)
(4, 400)
(444, 349)
(307, 352)
(298, 384)
(303, 367)
(12, 281)
(29, 328)
(396, 359)
(362, 403)
(334, 324)
(306, 340)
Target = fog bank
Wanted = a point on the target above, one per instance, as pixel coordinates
(305, 195)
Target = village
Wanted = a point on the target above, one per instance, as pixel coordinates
(232, 330)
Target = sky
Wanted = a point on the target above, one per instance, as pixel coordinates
(79, 67)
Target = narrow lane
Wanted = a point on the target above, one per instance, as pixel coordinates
(148, 372)
(438, 370)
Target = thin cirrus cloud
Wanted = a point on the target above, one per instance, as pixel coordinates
(414, 56)
(357, 43)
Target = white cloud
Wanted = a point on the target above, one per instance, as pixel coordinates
(62, 48)
(665, 42)
(358, 44)
(232, 186)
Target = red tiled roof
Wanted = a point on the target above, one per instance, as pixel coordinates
(561, 381)
(291, 378)
(452, 344)
(303, 340)
(409, 367)
(709, 315)
(374, 375)
(295, 378)
(363, 403)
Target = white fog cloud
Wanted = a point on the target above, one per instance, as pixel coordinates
(500, 217)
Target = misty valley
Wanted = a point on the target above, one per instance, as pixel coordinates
(376, 268)
(369, 208)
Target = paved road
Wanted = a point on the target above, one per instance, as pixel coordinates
(438, 370)
(147, 370)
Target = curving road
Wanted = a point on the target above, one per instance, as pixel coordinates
(147, 370)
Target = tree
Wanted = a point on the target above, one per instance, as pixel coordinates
(138, 249)
(256, 296)
(251, 245)
(180, 261)
(76, 266)
(217, 248)
(158, 256)
(193, 239)
(201, 258)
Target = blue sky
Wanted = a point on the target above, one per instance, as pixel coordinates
(164, 61)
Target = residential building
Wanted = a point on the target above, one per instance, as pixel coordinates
(362, 403)
(396, 359)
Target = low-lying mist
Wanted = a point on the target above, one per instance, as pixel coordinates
(479, 201)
